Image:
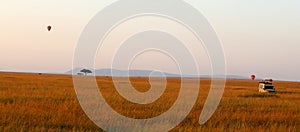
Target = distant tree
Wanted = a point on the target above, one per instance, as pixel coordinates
(86, 71)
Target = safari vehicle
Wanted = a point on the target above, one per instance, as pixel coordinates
(266, 86)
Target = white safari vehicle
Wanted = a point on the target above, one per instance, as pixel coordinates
(266, 86)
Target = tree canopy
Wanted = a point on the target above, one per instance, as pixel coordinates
(86, 71)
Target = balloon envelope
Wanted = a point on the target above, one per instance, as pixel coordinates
(49, 28)
(252, 77)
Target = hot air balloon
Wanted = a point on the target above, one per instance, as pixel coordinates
(49, 28)
(252, 77)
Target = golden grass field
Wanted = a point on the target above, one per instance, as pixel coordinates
(33, 102)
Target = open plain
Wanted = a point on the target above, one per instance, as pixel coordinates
(46, 102)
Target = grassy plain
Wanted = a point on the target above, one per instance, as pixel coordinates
(33, 102)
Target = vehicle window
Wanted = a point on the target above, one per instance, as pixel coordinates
(269, 87)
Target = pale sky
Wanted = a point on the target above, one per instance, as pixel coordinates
(260, 37)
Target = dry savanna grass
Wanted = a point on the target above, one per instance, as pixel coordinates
(33, 102)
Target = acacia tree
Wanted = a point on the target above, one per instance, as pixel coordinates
(86, 71)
